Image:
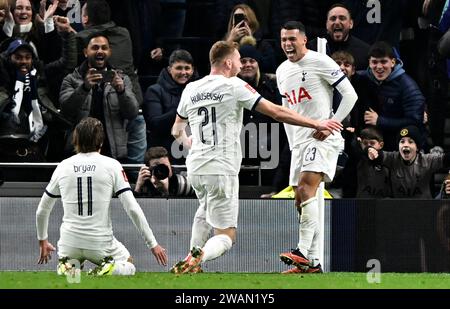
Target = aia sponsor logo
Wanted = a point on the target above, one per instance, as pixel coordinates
(250, 88)
(296, 97)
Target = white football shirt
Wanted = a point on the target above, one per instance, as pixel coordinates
(86, 183)
(214, 107)
(307, 87)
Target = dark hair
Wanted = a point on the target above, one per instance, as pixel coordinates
(381, 49)
(95, 34)
(371, 133)
(340, 5)
(180, 55)
(155, 153)
(220, 50)
(88, 135)
(293, 24)
(98, 12)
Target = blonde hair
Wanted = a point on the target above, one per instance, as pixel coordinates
(220, 50)
(3, 4)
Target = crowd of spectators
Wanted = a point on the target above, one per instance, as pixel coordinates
(62, 61)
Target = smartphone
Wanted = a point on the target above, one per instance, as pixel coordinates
(107, 75)
(238, 18)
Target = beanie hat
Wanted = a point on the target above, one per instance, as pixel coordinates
(249, 51)
(412, 132)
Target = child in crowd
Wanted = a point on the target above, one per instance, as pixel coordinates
(372, 179)
(411, 170)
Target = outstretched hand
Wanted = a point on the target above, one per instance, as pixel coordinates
(160, 255)
(45, 250)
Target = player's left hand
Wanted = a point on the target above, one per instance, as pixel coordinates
(46, 250)
(321, 135)
(160, 255)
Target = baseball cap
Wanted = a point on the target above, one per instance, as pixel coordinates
(16, 44)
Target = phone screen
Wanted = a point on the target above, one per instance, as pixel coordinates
(238, 18)
(107, 76)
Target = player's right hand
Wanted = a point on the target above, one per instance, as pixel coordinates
(330, 125)
(160, 255)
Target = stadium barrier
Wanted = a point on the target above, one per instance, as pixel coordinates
(266, 228)
(402, 235)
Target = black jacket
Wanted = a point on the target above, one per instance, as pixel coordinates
(159, 109)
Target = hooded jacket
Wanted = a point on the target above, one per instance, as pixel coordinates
(397, 100)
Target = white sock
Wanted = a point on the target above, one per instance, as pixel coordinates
(313, 254)
(200, 231)
(309, 222)
(216, 246)
(124, 269)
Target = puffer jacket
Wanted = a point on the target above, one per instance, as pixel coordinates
(118, 108)
(397, 100)
(160, 108)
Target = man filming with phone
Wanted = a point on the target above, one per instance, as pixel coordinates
(97, 90)
(157, 178)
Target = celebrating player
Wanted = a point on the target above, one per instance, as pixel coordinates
(213, 106)
(86, 183)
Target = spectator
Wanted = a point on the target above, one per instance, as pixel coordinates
(392, 97)
(161, 102)
(96, 89)
(411, 170)
(261, 137)
(242, 24)
(66, 8)
(372, 180)
(4, 9)
(26, 109)
(20, 23)
(339, 24)
(96, 18)
(445, 188)
(157, 177)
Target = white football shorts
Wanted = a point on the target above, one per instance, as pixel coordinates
(219, 199)
(117, 250)
(316, 156)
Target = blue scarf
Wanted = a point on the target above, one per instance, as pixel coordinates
(26, 94)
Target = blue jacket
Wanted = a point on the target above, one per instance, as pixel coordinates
(397, 100)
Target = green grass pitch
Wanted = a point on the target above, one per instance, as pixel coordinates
(49, 280)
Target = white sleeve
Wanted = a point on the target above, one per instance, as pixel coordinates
(43, 214)
(245, 94)
(349, 98)
(49, 25)
(8, 27)
(136, 215)
(182, 105)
